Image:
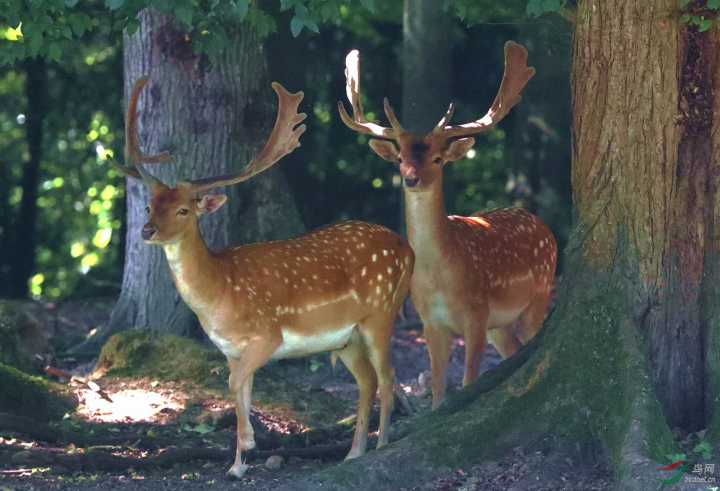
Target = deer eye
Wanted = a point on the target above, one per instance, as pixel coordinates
(183, 211)
(437, 160)
(399, 160)
(147, 209)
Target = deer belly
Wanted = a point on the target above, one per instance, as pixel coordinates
(500, 316)
(301, 344)
(228, 348)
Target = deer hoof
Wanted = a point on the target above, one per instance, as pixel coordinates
(238, 470)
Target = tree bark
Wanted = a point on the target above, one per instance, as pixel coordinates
(213, 119)
(23, 264)
(427, 70)
(631, 348)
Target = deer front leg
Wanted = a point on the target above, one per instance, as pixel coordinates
(438, 343)
(255, 356)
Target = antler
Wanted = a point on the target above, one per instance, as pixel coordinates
(516, 75)
(134, 158)
(359, 123)
(283, 140)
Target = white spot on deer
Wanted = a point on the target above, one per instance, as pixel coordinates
(389, 270)
(236, 288)
(385, 252)
(390, 287)
(227, 278)
(364, 270)
(374, 257)
(377, 290)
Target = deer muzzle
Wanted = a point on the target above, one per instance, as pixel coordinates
(147, 232)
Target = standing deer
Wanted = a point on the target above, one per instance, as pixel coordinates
(472, 274)
(336, 289)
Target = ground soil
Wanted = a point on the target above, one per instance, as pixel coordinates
(188, 412)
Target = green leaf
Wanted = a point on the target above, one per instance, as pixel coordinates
(705, 24)
(534, 8)
(35, 3)
(296, 25)
(241, 6)
(66, 31)
(301, 11)
(184, 15)
(312, 26)
(686, 17)
(286, 4)
(713, 4)
(54, 51)
(695, 20)
(685, 3)
(368, 4)
(551, 5)
(114, 4)
(132, 26)
(71, 3)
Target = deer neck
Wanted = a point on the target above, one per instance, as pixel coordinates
(427, 223)
(193, 269)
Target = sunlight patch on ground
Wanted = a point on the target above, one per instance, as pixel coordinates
(130, 405)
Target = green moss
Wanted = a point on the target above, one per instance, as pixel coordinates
(170, 357)
(30, 396)
(166, 357)
(21, 338)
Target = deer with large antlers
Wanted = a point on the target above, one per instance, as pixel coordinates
(335, 289)
(474, 275)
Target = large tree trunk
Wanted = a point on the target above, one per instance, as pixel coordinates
(212, 119)
(631, 348)
(427, 71)
(23, 249)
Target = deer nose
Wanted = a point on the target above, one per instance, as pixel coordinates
(411, 182)
(147, 232)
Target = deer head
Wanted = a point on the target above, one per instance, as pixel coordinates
(421, 158)
(174, 211)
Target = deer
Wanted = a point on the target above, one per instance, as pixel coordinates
(474, 276)
(337, 288)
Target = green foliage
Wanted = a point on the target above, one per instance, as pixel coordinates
(676, 457)
(536, 8)
(700, 13)
(703, 448)
(30, 396)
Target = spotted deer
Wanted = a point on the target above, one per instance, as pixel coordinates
(474, 275)
(335, 289)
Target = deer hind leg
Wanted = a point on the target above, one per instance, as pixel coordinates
(241, 378)
(355, 358)
(475, 343)
(505, 340)
(532, 318)
(438, 342)
(377, 333)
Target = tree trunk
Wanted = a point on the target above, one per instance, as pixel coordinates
(631, 349)
(427, 71)
(213, 119)
(23, 264)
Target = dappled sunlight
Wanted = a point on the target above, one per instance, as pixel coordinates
(131, 405)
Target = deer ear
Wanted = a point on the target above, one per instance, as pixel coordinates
(385, 149)
(210, 203)
(459, 148)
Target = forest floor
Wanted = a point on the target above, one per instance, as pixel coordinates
(303, 400)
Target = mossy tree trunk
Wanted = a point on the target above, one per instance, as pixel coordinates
(631, 348)
(213, 119)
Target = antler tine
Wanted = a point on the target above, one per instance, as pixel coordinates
(283, 140)
(391, 117)
(516, 75)
(134, 158)
(445, 119)
(358, 122)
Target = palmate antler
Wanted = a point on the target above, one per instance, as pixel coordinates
(134, 158)
(282, 141)
(516, 75)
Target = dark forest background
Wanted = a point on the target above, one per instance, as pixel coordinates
(62, 210)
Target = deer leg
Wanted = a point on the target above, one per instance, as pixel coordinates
(475, 343)
(532, 318)
(438, 342)
(255, 356)
(505, 340)
(377, 333)
(355, 358)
